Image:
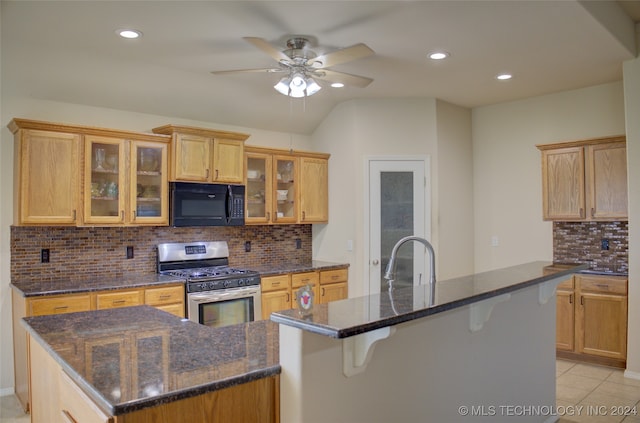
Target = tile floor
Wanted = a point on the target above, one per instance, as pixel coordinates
(585, 393)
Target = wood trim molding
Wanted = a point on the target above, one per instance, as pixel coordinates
(283, 152)
(191, 130)
(17, 124)
(582, 143)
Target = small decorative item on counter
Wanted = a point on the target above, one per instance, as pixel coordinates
(304, 297)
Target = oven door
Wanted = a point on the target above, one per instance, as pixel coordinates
(225, 307)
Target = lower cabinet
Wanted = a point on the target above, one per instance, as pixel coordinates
(279, 292)
(169, 298)
(597, 307)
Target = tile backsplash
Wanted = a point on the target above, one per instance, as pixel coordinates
(77, 253)
(581, 242)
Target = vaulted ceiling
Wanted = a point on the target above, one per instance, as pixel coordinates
(68, 51)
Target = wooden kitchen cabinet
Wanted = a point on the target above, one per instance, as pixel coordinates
(298, 280)
(167, 298)
(46, 176)
(314, 190)
(119, 298)
(565, 316)
(78, 175)
(205, 155)
(58, 304)
(333, 285)
(592, 319)
(114, 195)
(276, 294)
(585, 180)
(601, 318)
(285, 187)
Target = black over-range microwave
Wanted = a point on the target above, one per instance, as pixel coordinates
(193, 204)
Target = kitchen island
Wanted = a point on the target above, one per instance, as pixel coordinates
(140, 364)
(482, 350)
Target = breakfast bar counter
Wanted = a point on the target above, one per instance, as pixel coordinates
(484, 344)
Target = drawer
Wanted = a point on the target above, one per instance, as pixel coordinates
(302, 279)
(175, 309)
(164, 295)
(606, 285)
(76, 406)
(274, 283)
(58, 305)
(566, 284)
(333, 276)
(118, 299)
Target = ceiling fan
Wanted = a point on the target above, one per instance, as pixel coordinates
(301, 65)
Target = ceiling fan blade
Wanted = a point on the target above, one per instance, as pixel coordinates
(262, 70)
(268, 48)
(345, 78)
(346, 54)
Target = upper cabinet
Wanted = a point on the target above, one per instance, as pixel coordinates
(203, 155)
(585, 180)
(46, 176)
(76, 175)
(285, 186)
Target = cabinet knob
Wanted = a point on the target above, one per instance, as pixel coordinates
(375, 262)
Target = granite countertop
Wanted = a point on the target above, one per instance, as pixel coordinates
(56, 286)
(60, 285)
(345, 318)
(313, 265)
(130, 358)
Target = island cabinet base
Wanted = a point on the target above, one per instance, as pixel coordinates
(55, 398)
(440, 368)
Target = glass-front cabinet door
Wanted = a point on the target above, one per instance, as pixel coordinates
(104, 180)
(149, 186)
(284, 194)
(258, 195)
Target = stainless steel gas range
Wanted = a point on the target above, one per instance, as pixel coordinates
(217, 295)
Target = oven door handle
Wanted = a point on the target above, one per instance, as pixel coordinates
(224, 295)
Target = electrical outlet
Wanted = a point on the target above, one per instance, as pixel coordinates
(298, 243)
(604, 244)
(247, 246)
(130, 251)
(44, 255)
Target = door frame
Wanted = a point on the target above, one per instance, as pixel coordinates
(426, 159)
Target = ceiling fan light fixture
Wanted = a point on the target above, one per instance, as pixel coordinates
(337, 84)
(129, 33)
(312, 87)
(283, 86)
(438, 55)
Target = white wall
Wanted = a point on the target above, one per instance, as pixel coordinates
(29, 108)
(632, 108)
(357, 130)
(506, 166)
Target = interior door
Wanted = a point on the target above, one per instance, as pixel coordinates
(398, 207)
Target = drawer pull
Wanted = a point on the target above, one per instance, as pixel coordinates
(60, 308)
(165, 296)
(118, 302)
(69, 416)
(305, 280)
(334, 277)
(602, 285)
(275, 283)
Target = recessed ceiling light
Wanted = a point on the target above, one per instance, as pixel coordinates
(504, 76)
(129, 33)
(438, 55)
(337, 84)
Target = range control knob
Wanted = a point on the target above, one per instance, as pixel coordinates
(241, 282)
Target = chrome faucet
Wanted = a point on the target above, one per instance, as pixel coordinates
(390, 271)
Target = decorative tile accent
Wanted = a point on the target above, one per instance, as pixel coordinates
(580, 242)
(77, 253)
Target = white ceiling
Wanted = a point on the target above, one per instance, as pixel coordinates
(68, 51)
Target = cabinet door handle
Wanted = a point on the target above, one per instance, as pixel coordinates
(134, 215)
(69, 416)
(74, 215)
(581, 212)
(570, 298)
(581, 300)
(304, 215)
(206, 175)
(122, 215)
(268, 215)
(322, 292)
(593, 212)
(288, 298)
(216, 178)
